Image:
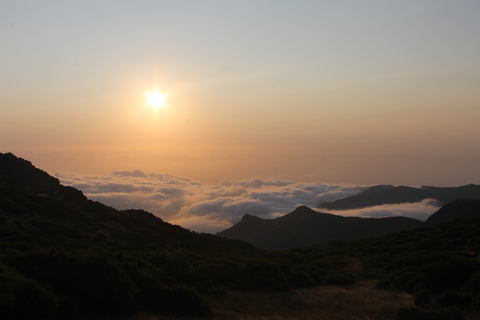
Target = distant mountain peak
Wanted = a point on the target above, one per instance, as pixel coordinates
(248, 217)
(301, 211)
(304, 209)
(388, 194)
(305, 226)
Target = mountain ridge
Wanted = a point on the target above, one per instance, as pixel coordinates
(35, 205)
(389, 194)
(20, 174)
(304, 226)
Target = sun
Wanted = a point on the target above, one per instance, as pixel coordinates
(156, 99)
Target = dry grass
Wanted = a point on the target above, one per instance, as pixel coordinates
(359, 302)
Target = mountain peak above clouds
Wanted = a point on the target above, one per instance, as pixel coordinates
(305, 226)
(302, 211)
(388, 194)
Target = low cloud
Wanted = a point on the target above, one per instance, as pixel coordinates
(417, 210)
(213, 208)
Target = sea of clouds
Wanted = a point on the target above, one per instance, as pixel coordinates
(213, 208)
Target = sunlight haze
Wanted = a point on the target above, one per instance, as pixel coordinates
(364, 92)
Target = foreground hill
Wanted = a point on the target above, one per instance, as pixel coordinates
(305, 226)
(387, 194)
(35, 207)
(67, 257)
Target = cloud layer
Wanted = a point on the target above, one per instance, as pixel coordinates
(418, 210)
(212, 208)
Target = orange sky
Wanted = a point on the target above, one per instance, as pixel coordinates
(340, 92)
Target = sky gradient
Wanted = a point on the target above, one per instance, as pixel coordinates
(361, 92)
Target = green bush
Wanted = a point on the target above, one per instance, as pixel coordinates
(68, 309)
(439, 314)
(339, 279)
(383, 284)
(473, 283)
(455, 299)
(265, 276)
(183, 301)
(22, 298)
(405, 280)
(99, 285)
(476, 303)
(449, 273)
(422, 295)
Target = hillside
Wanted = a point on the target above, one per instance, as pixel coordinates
(387, 194)
(63, 256)
(304, 227)
(458, 209)
(68, 257)
(36, 207)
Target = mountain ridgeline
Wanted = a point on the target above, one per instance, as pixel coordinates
(388, 194)
(304, 227)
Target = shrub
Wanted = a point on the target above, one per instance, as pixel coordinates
(405, 280)
(473, 283)
(100, 286)
(68, 309)
(422, 296)
(413, 313)
(383, 284)
(157, 295)
(265, 276)
(22, 298)
(476, 303)
(455, 299)
(449, 273)
(184, 301)
(418, 280)
(339, 279)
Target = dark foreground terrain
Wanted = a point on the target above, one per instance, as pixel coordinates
(63, 256)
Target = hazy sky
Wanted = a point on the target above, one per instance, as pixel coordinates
(362, 92)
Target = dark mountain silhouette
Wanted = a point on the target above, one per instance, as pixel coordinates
(35, 206)
(458, 209)
(19, 174)
(304, 227)
(388, 194)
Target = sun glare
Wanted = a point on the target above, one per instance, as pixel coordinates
(156, 99)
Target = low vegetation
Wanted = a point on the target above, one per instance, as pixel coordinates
(64, 257)
(433, 269)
